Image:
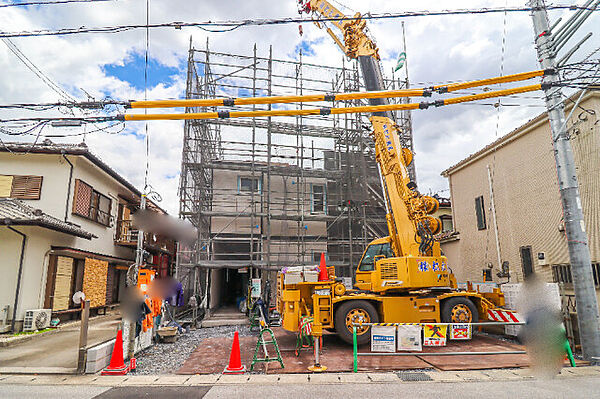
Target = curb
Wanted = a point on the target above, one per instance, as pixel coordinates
(446, 377)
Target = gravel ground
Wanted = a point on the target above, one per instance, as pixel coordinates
(168, 358)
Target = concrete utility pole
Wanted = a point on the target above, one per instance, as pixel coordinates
(579, 252)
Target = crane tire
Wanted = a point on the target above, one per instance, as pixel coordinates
(354, 310)
(454, 309)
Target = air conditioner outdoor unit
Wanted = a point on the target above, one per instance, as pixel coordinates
(37, 319)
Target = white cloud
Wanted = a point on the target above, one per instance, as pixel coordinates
(439, 49)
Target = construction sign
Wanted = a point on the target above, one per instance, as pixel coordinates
(434, 335)
(383, 339)
(409, 338)
(460, 331)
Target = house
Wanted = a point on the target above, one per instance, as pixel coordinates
(298, 227)
(523, 227)
(65, 226)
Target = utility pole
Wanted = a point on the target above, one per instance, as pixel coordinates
(579, 252)
(132, 280)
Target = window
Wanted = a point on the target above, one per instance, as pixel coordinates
(446, 223)
(367, 263)
(562, 274)
(21, 187)
(487, 275)
(318, 203)
(90, 204)
(480, 212)
(249, 184)
(526, 261)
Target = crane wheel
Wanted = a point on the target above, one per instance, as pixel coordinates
(354, 312)
(459, 310)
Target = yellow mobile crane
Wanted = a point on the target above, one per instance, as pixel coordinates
(400, 278)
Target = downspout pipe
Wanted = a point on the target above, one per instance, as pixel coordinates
(19, 274)
(69, 186)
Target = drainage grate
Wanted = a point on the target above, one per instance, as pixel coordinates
(414, 377)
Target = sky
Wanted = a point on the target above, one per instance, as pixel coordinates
(439, 49)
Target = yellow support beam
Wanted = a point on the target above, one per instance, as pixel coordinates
(422, 92)
(328, 111)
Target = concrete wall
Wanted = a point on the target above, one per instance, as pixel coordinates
(527, 200)
(284, 199)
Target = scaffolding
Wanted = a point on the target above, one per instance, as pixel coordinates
(304, 186)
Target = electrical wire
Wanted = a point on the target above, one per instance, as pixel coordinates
(49, 2)
(230, 25)
(33, 68)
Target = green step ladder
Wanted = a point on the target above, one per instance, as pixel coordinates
(260, 342)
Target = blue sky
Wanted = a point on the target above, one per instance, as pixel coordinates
(132, 72)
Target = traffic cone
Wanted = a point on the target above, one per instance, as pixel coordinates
(323, 275)
(117, 365)
(235, 360)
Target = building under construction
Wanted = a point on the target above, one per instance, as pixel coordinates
(265, 193)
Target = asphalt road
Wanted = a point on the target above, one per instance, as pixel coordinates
(581, 387)
(58, 349)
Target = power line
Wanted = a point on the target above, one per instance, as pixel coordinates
(33, 68)
(230, 25)
(50, 2)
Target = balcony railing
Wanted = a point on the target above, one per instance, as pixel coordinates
(125, 234)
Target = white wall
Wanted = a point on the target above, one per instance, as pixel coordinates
(35, 265)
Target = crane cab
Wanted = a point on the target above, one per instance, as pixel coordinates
(380, 270)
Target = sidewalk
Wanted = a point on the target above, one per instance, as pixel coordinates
(56, 352)
(284, 379)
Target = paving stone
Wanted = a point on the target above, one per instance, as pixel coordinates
(472, 375)
(354, 378)
(171, 380)
(444, 376)
(293, 378)
(80, 379)
(202, 379)
(566, 372)
(233, 379)
(264, 379)
(18, 379)
(383, 377)
(585, 371)
(110, 380)
(49, 380)
(524, 373)
(140, 380)
(502, 375)
(326, 378)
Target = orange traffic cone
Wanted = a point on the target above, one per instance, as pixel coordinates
(323, 275)
(117, 365)
(235, 360)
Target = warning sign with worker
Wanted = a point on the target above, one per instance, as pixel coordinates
(409, 338)
(460, 331)
(383, 339)
(434, 335)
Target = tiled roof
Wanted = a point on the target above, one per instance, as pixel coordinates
(17, 213)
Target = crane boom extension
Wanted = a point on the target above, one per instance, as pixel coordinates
(356, 45)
